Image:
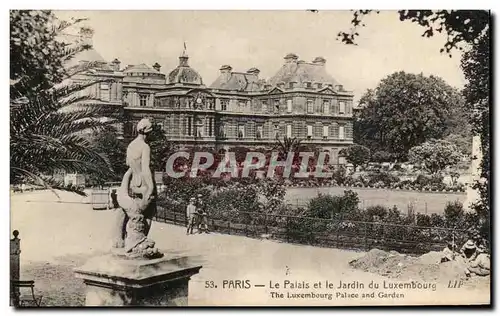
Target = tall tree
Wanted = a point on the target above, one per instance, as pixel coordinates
(37, 55)
(460, 26)
(462, 141)
(357, 155)
(161, 148)
(476, 67)
(404, 111)
(435, 155)
(471, 27)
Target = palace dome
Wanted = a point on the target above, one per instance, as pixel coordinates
(184, 74)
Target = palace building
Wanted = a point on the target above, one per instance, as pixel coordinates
(238, 109)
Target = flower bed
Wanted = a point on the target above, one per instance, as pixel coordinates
(448, 189)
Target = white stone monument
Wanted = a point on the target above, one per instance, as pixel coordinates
(475, 174)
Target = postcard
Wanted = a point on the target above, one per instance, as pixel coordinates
(250, 158)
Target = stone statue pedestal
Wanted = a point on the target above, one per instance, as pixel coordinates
(113, 280)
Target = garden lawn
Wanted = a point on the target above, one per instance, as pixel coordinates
(423, 202)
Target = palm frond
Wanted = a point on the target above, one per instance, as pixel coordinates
(51, 129)
(49, 183)
(66, 89)
(84, 67)
(287, 145)
(60, 25)
(34, 177)
(45, 137)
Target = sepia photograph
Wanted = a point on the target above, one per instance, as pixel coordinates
(245, 158)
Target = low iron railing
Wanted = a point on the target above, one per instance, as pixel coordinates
(333, 233)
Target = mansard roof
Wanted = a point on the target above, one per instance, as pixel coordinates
(238, 81)
(301, 72)
(141, 68)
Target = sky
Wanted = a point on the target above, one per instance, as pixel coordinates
(245, 39)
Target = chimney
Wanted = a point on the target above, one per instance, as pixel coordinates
(253, 71)
(319, 61)
(291, 58)
(225, 71)
(115, 64)
(157, 67)
(85, 34)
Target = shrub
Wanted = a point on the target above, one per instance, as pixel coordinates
(377, 210)
(322, 206)
(460, 187)
(329, 206)
(273, 193)
(349, 180)
(382, 156)
(233, 203)
(379, 184)
(435, 155)
(357, 155)
(373, 166)
(454, 213)
(393, 216)
(398, 167)
(423, 220)
(406, 184)
(180, 190)
(385, 178)
(437, 220)
(339, 175)
(304, 230)
(429, 182)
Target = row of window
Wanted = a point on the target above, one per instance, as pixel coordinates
(144, 74)
(259, 131)
(326, 130)
(326, 107)
(275, 107)
(309, 85)
(197, 130)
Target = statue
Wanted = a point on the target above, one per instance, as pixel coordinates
(137, 199)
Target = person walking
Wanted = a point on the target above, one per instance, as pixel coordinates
(113, 196)
(191, 215)
(202, 210)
